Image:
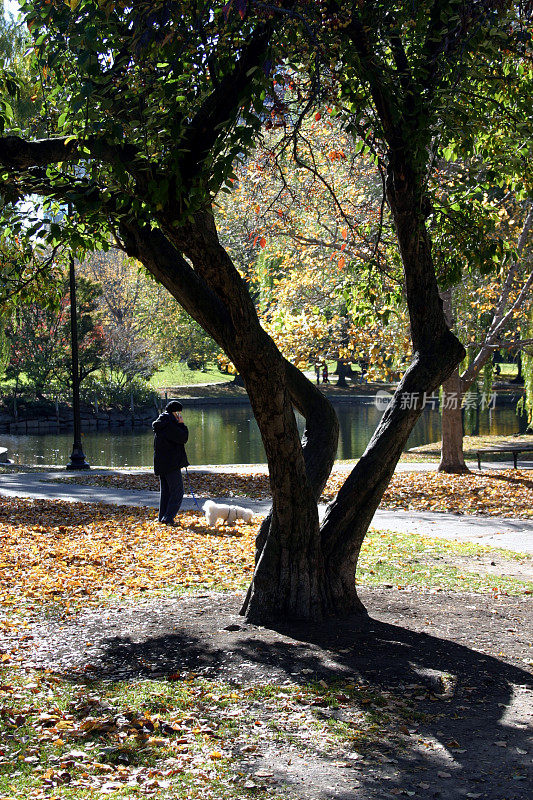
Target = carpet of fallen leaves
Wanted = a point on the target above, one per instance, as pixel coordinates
(78, 551)
(73, 555)
(507, 493)
(215, 484)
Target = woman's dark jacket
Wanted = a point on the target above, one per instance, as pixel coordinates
(170, 436)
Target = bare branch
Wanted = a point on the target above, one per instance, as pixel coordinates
(500, 319)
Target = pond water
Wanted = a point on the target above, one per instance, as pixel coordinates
(229, 434)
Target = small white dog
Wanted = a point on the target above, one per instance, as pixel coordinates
(229, 514)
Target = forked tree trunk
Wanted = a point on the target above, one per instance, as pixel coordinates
(302, 571)
(437, 352)
(289, 578)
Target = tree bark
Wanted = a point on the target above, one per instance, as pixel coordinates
(289, 579)
(344, 370)
(452, 458)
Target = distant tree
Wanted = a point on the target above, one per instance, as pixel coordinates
(40, 343)
(503, 300)
(144, 326)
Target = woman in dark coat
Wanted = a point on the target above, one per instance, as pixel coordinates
(170, 434)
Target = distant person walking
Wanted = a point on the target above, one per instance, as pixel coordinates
(170, 434)
(317, 373)
(325, 375)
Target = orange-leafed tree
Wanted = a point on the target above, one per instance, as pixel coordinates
(315, 245)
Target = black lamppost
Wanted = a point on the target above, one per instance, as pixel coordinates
(77, 457)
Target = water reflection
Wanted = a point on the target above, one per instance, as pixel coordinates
(229, 434)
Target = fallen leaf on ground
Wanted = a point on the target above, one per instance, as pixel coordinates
(486, 493)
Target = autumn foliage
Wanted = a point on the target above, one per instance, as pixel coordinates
(77, 553)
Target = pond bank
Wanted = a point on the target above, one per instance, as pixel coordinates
(36, 420)
(232, 394)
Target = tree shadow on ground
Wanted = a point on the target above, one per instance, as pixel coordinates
(457, 725)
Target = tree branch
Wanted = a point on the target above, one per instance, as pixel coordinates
(223, 103)
(500, 319)
(21, 154)
(169, 267)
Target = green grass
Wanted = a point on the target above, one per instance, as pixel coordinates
(179, 374)
(406, 559)
(507, 371)
(72, 739)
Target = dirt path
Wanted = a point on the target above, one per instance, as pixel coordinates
(448, 677)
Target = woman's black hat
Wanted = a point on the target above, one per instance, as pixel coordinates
(173, 405)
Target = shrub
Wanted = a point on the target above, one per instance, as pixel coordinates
(111, 392)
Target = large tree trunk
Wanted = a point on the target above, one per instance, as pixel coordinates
(289, 576)
(289, 579)
(302, 571)
(452, 459)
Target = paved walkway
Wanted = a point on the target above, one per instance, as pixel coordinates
(509, 533)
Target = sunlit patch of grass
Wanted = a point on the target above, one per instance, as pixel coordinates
(178, 374)
(406, 559)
